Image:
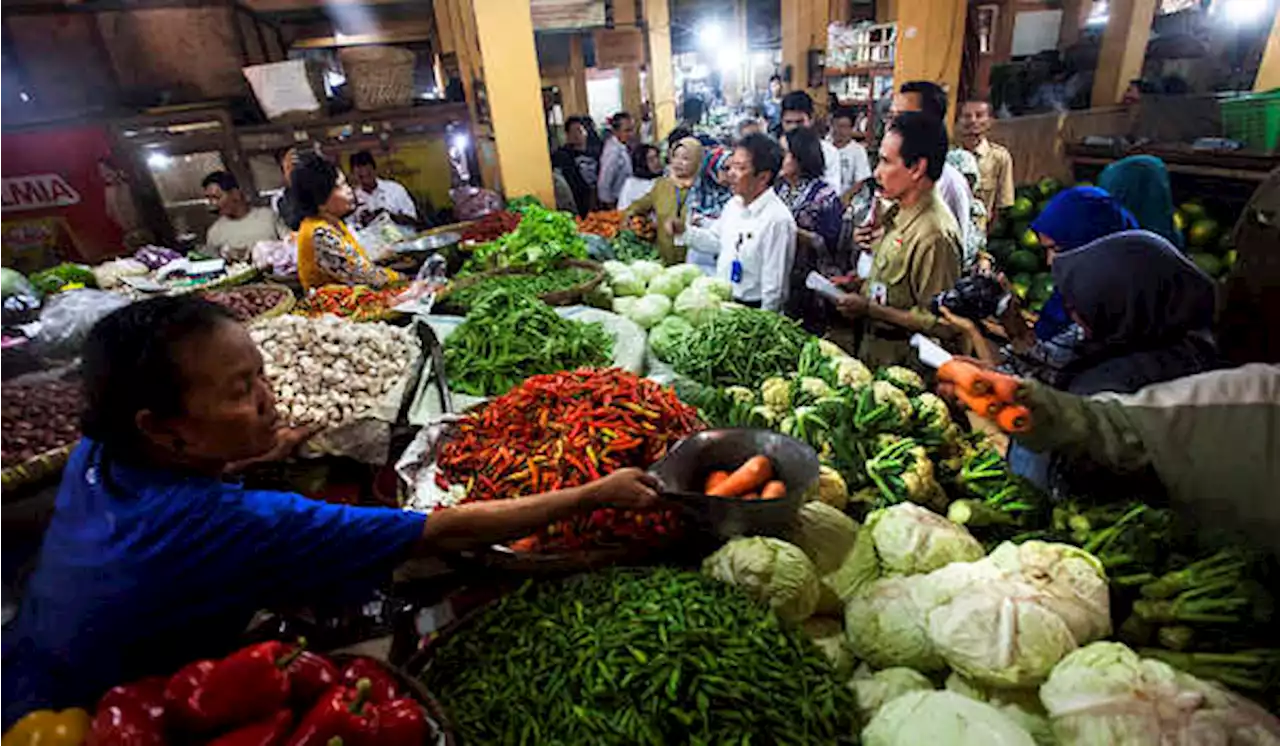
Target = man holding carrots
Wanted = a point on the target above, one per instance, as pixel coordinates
(919, 254)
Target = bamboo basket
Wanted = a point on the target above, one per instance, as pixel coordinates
(37, 468)
(566, 297)
(282, 306)
(380, 77)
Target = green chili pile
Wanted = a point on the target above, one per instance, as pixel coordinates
(627, 656)
(508, 337)
(741, 347)
(533, 285)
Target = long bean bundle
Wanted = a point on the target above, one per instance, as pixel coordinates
(626, 656)
(740, 347)
(508, 337)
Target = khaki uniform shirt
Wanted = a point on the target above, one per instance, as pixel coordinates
(995, 176)
(918, 258)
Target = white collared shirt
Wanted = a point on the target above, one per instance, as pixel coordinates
(762, 236)
(387, 195)
(831, 165)
(854, 166)
(953, 190)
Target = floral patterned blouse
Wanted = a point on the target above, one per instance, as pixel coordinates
(816, 207)
(329, 254)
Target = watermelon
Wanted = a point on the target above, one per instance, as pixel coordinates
(1203, 233)
(1180, 220)
(1000, 228)
(1041, 287)
(1000, 249)
(1041, 205)
(1028, 239)
(1021, 284)
(1021, 209)
(1049, 187)
(1224, 243)
(1192, 210)
(1023, 261)
(1212, 265)
(1229, 260)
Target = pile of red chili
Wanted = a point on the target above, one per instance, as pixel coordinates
(563, 430)
(268, 694)
(358, 302)
(491, 226)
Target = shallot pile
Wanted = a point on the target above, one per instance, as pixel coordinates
(329, 371)
(39, 417)
(248, 302)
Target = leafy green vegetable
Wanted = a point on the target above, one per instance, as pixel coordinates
(542, 241)
(628, 247)
(770, 569)
(508, 337)
(51, 280)
(627, 656)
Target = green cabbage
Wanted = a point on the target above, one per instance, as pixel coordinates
(625, 283)
(712, 286)
(696, 306)
(772, 570)
(1105, 693)
(885, 625)
(645, 270)
(649, 310)
(667, 334)
(1069, 580)
(875, 690)
(942, 718)
(667, 283)
(623, 305)
(825, 534)
(687, 272)
(614, 268)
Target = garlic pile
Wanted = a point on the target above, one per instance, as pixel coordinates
(329, 371)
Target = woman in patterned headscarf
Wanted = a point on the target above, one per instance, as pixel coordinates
(712, 192)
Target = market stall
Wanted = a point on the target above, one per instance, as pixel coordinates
(842, 557)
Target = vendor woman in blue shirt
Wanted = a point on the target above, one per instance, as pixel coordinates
(153, 559)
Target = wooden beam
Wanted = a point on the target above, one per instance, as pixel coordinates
(1269, 69)
(662, 83)
(1074, 15)
(285, 6)
(389, 32)
(1124, 47)
(504, 31)
(931, 44)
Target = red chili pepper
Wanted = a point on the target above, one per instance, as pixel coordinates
(383, 687)
(182, 698)
(401, 722)
(268, 732)
(343, 712)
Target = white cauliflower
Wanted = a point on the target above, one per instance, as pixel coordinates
(904, 378)
(776, 393)
(815, 387)
(851, 372)
(886, 393)
(831, 349)
(832, 489)
(741, 394)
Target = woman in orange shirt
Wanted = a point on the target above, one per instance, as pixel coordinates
(327, 252)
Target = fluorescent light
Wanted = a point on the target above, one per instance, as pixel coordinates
(762, 58)
(728, 59)
(1243, 11)
(1098, 14)
(159, 161)
(710, 34)
(459, 142)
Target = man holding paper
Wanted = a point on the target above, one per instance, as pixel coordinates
(919, 253)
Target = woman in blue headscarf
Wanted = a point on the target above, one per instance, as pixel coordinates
(1141, 184)
(712, 190)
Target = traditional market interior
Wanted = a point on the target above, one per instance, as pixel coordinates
(640, 372)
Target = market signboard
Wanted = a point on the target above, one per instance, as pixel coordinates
(560, 15)
(36, 192)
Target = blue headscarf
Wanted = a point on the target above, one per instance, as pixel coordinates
(1073, 218)
(1141, 184)
(710, 196)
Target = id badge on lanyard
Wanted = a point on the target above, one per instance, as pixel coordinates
(735, 269)
(681, 238)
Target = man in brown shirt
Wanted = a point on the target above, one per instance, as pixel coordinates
(919, 253)
(995, 165)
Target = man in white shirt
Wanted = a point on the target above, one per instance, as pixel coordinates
(854, 166)
(615, 160)
(375, 196)
(239, 226)
(797, 111)
(755, 237)
(953, 188)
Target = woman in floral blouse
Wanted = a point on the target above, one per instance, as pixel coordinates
(816, 206)
(327, 252)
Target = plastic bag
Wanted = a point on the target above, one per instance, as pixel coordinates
(471, 202)
(380, 236)
(68, 318)
(280, 258)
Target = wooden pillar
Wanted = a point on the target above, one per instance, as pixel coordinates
(931, 45)
(574, 93)
(504, 31)
(1074, 15)
(662, 82)
(1269, 68)
(804, 27)
(886, 11)
(624, 16)
(1124, 47)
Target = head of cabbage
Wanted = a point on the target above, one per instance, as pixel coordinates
(623, 305)
(666, 336)
(625, 283)
(712, 286)
(875, 690)
(825, 534)
(828, 635)
(695, 305)
(770, 569)
(645, 269)
(667, 283)
(649, 310)
(942, 718)
(688, 273)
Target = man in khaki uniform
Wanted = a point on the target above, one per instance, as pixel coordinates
(995, 164)
(919, 253)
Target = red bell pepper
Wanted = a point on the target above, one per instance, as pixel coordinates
(147, 693)
(310, 675)
(269, 732)
(343, 712)
(183, 703)
(401, 722)
(125, 724)
(243, 688)
(384, 686)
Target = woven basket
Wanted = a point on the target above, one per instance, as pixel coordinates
(566, 297)
(36, 469)
(283, 304)
(380, 77)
